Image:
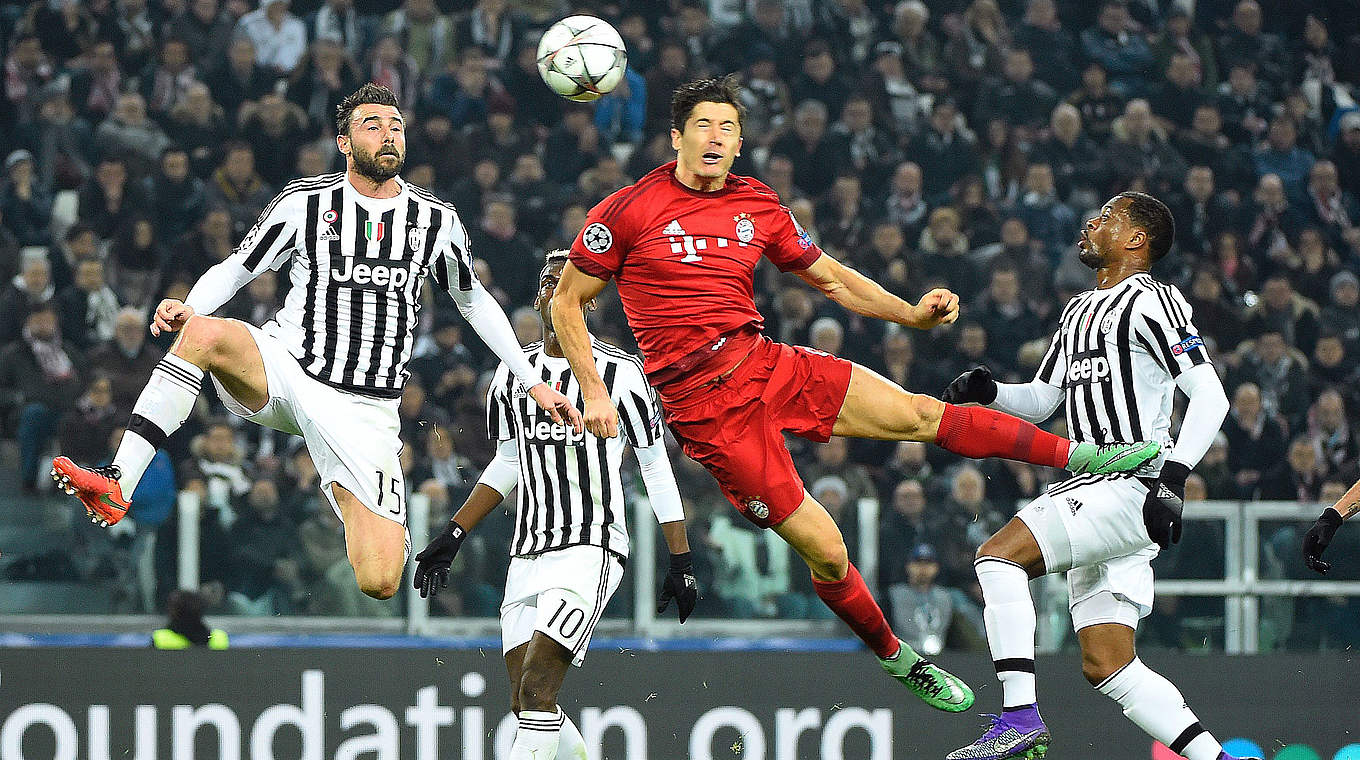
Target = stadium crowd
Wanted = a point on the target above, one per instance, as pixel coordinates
(957, 143)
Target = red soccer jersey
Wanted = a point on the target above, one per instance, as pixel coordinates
(684, 260)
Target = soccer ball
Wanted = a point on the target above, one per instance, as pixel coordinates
(581, 58)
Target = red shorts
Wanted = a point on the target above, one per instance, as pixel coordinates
(735, 428)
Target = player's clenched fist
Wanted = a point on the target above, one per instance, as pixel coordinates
(601, 418)
(938, 307)
(558, 406)
(170, 316)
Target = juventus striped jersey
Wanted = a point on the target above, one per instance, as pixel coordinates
(358, 266)
(570, 491)
(1116, 356)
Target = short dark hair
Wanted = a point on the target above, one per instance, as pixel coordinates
(1155, 219)
(713, 90)
(374, 94)
(552, 259)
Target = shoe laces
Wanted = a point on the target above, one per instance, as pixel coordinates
(996, 726)
(920, 677)
(111, 471)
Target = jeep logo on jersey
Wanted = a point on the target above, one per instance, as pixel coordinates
(544, 432)
(369, 275)
(1090, 369)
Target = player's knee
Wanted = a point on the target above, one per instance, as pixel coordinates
(920, 415)
(377, 579)
(1098, 666)
(201, 340)
(831, 560)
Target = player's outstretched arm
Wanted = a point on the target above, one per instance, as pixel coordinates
(1320, 535)
(574, 290)
(679, 583)
(1034, 401)
(862, 295)
(497, 480)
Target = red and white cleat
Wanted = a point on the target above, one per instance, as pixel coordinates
(96, 487)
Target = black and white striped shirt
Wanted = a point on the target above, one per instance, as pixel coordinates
(1116, 356)
(358, 266)
(570, 488)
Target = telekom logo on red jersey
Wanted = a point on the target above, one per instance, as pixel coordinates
(691, 245)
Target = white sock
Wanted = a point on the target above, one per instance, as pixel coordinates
(1010, 619)
(1155, 705)
(537, 736)
(571, 746)
(164, 405)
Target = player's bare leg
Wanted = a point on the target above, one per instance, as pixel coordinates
(376, 545)
(818, 540)
(1154, 704)
(537, 670)
(223, 347)
(878, 408)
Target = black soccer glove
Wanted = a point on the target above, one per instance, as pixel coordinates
(1164, 503)
(974, 385)
(680, 585)
(432, 563)
(1317, 538)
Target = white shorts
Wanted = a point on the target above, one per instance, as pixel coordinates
(354, 440)
(1094, 531)
(562, 593)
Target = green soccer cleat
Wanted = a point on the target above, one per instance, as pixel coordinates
(934, 685)
(1111, 458)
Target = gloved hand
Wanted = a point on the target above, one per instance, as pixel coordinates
(975, 385)
(432, 563)
(1317, 538)
(1164, 503)
(680, 585)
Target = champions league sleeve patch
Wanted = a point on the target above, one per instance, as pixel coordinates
(1190, 343)
(597, 238)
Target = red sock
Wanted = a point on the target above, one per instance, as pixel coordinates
(850, 599)
(978, 433)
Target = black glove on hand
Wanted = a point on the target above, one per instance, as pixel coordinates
(975, 385)
(1317, 538)
(432, 563)
(1164, 503)
(679, 585)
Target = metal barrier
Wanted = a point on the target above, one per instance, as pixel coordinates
(1242, 586)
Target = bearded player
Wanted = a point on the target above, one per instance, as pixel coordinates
(682, 244)
(331, 366)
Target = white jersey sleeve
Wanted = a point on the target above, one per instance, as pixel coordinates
(500, 416)
(639, 408)
(267, 245)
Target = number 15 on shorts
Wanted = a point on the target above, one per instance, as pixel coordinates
(389, 493)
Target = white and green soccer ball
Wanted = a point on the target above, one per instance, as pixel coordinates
(581, 58)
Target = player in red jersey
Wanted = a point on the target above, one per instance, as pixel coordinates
(682, 245)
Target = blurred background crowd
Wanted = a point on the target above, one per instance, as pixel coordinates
(953, 142)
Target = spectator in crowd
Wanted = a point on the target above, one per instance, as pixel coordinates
(279, 37)
(1244, 42)
(26, 205)
(243, 79)
(110, 199)
(1049, 43)
(1139, 151)
(1016, 95)
(945, 150)
(27, 69)
(338, 21)
(87, 427)
(1283, 311)
(41, 378)
(198, 126)
(177, 199)
(322, 79)
(1298, 478)
(1243, 104)
(32, 289)
(1180, 37)
(126, 360)
(922, 610)
(130, 133)
(1175, 100)
(1342, 312)
(423, 32)
(238, 187)
(1075, 160)
(1115, 43)
(61, 142)
(88, 307)
(1280, 373)
(1255, 438)
(1200, 212)
(164, 85)
(1329, 427)
(96, 87)
(205, 27)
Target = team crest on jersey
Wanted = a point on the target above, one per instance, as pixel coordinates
(415, 238)
(374, 231)
(1107, 324)
(758, 508)
(746, 229)
(597, 238)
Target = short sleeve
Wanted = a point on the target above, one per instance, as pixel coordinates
(1054, 365)
(639, 407)
(500, 419)
(790, 248)
(1162, 326)
(600, 246)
